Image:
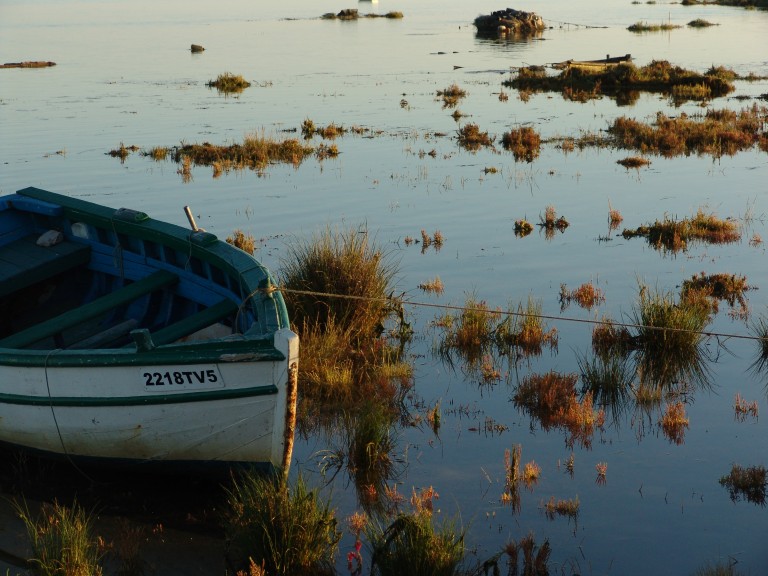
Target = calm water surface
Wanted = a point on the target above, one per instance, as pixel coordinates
(125, 75)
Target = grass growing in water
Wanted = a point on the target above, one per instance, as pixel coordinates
(471, 138)
(645, 27)
(717, 132)
(669, 340)
(229, 83)
(586, 296)
(62, 540)
(674, 422)
(524, 143)
(255, 152)
(414, 544)
(287, 530)
(451, 95)
(748, 483)
(674, 235)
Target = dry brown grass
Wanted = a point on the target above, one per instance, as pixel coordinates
(633, 162)
(560, 507)
(471, 138)
(716, 133)
(674, 422)
(451, 95)
(743, 409)
(242, 240)
(524, 143)
(434, 286)
(748, 483)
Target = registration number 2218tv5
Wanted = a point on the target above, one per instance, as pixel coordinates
(182, 377)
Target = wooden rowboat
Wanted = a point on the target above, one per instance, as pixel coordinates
(125, 339)
(594, 65)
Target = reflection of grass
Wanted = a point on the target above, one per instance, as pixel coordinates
(728, 287)
(609, 378)
(674, 422)
(523, 228)
(674, 235)
(586, 296)
(748, 483)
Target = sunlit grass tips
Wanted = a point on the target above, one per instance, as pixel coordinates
(524, 143)
(62, 540)
(288, 530)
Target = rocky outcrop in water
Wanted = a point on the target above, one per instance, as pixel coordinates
(509, 20)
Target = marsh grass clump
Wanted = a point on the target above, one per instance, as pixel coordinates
(535, 559)
(748, 483)
(341, 276)
(669, 341)
(451, 95)
(701, 23)
(715, 287)
(523, 228)
(645, 27)
(560, 507)
(623, 81)
(550, 222)
(245, 241)
(586, 296)
(288, 530)
(158, 153)
(471, 138)
(415, 542)
(122, 152)
(62, 540)
(512, 477)
(614, 217)
(228, 83)
(674, 422)
(717, 132)
(633, 162)
(473, 330)
(673, 235)
(742, 408)
(256, 152)
(524, 143)
(525, 331)
(434, 286)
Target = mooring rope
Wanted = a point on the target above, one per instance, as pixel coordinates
(401, 301)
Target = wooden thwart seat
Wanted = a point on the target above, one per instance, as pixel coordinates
(93, 309)
(195, 322)
(24, 263)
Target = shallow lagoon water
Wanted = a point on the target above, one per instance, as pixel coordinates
(125, 74)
